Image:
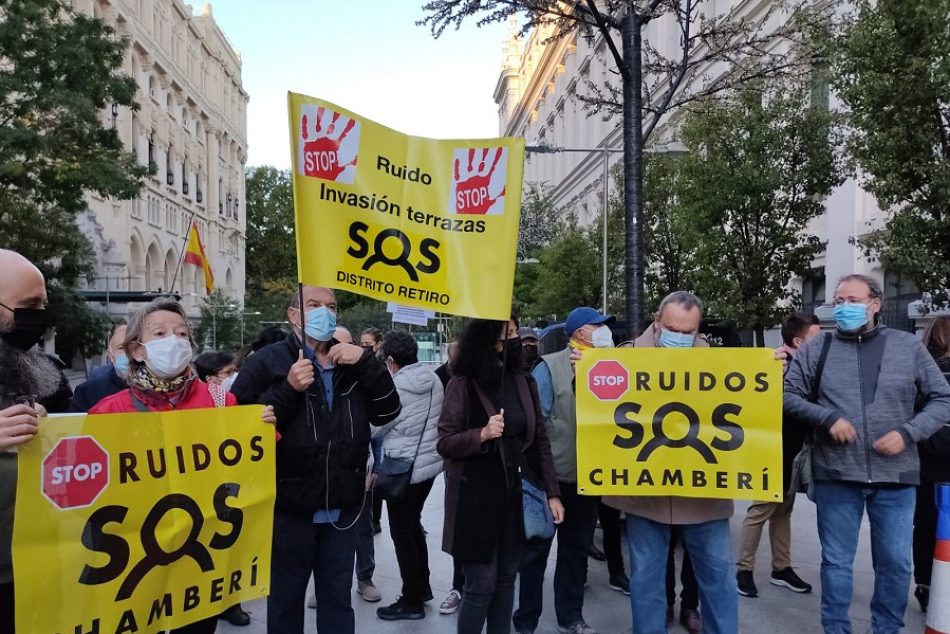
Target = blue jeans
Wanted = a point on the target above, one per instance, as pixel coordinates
(840, 507)
(709, 550)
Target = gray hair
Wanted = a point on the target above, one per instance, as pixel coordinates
(874, 287)
(133, 333)
(685, 299)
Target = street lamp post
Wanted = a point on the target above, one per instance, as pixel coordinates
(674, 147)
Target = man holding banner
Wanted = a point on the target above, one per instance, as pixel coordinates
(704, 522)
(28, 381)
(326, 395)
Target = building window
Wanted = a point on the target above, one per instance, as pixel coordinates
(151, 152)
(169, 162)
(184, 177)
(813, 290)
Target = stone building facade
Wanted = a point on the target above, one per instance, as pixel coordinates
(191, 125)
(537, 96)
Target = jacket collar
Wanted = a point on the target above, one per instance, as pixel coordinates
(860, 336)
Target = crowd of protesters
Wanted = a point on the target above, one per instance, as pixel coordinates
(363, 424)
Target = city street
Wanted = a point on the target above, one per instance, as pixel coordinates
(775, 611)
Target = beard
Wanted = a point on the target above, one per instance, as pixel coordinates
(29, 374)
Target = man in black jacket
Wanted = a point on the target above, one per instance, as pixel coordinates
(325, 395)
(105, 380)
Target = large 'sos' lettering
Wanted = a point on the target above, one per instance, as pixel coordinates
(623, 418)
(117, 548)
(429, 261)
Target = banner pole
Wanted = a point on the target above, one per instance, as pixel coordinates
(184, 247)
(303, 325)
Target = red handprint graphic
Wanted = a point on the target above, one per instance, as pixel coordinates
(328, 144)
(478, 183)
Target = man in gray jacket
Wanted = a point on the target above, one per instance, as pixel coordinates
(870, 394)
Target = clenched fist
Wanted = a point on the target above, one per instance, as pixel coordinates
(301, 374)
(495, 427)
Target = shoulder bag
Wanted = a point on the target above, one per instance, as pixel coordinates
(394, 475)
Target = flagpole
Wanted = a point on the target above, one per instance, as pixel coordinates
(184, 247)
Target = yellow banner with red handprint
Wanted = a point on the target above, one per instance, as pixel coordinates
(420, 222)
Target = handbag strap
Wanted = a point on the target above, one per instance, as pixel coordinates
(826, 344)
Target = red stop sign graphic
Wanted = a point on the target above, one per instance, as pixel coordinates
(75, 472)
(608, 380)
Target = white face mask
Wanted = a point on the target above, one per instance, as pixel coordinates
(168, 357)
(228, 382)
(602, 338)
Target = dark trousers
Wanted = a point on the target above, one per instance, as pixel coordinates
(7, 621)
(610, 525)
(689, 595)
(377, 509)
(489, 593)
(925, 533)
(300, 549)
(365, 547)
(458, 577)
(205, 626)
(409, 541)
(574, 537)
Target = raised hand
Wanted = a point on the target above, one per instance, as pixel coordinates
(478, 182)
(301, 374)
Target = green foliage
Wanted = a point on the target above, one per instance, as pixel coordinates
(891, 64)
(758, 168)
(220, 326)
(540, 221)
(568, 275)
(271, 248)
(60, 70)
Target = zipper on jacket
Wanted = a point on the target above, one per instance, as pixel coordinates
(864, 412)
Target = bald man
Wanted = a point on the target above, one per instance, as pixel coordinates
(30, 384)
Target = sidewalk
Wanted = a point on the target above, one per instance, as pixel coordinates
(775, 611)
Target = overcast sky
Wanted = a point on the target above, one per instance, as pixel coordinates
(367, 56)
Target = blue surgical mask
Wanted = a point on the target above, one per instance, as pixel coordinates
(121, 364)
(670, 339)
(851, 315)
(321, 323)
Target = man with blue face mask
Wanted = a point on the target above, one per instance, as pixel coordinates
(870, 394)
(586, 329)
(325, 395)
(702, 523)
(106, 380)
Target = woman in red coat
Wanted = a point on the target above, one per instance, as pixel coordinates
(160, 349)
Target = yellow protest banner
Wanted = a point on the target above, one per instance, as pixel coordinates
(419, 222)
(139, 523)
(699, 422)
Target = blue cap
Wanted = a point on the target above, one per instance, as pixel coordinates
(584, 315)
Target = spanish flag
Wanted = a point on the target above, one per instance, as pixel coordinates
(195, 254)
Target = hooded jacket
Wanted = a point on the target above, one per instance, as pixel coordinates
(881, 381)
(670, 509)
(420, 392)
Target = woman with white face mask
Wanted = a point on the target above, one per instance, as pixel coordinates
(160, 347)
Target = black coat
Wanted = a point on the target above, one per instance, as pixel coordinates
(101, 383)
(935, 451)
(322, 453)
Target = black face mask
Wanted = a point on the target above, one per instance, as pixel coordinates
(29, 326)
(512, 355)
(530, 354)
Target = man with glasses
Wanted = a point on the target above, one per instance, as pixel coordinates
(870, 393)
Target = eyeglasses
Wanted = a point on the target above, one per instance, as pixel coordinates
(838, 301)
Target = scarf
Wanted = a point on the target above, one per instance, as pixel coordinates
(159, 393)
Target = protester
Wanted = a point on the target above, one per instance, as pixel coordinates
(878, 394)
(934, 467)
(219, 368)
(411, 437)
(105, 380)
(703, 523)
(586, 329)
(31, 383)
(160, 347)
(530, 344)
(371, 339)
(453, 599)
(484, 452)
(326, 395)
(797, 329)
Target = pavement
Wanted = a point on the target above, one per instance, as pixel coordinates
(775, 611)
